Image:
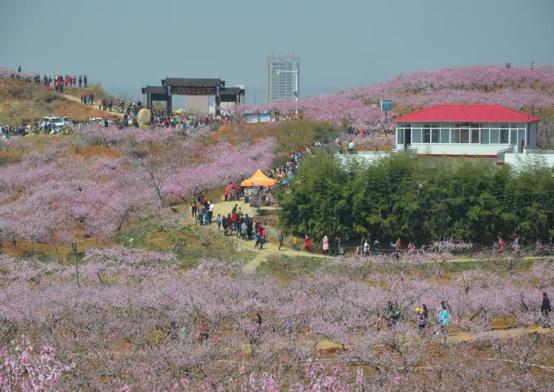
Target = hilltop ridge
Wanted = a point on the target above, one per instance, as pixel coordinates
(23, 102)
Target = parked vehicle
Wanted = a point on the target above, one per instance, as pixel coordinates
(54, 124)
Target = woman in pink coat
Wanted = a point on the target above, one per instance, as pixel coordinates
(325, 245)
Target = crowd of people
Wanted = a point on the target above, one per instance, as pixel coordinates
(232, 191)
(285, 172)
(59, 82)
(7, 130)
(202, 210)
(53, 82)
(235, 223)
(180, 119)
(185, 122)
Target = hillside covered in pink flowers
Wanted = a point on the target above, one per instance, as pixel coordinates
(531, 90)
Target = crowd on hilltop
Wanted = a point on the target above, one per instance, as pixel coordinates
(59, 82)
(56, 82)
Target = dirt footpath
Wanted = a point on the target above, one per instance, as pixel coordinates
(269, 249)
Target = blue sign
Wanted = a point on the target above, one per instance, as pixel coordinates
(386, 105)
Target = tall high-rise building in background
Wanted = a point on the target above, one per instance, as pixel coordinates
(283, 77)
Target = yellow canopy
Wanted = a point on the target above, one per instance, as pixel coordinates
(258, 179)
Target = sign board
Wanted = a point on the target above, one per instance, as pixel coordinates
(386, 105)
(179, 90)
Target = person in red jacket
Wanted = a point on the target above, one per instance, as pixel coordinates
(307, 243)
(263, 234)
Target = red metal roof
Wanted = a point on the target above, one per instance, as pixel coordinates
(474, 113)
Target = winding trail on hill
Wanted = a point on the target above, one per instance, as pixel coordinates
(78, 100)
(270, 248)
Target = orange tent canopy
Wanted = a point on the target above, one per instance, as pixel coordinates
(258, 179)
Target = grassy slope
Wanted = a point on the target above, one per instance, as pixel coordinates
(24, 102)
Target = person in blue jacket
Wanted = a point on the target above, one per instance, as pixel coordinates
(444, 318)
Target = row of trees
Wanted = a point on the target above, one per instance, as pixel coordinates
(402, 197)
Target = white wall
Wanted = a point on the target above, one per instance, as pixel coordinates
(365, 157)
(456, 149)
(530, 158)
(197, 104)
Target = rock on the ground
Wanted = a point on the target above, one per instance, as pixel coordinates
(143, 117)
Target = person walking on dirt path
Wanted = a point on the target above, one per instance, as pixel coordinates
(501, 245)
(351, 146)
(258, 236)
(249, 227)
(546, 309)
(258, 324)
(257, 239)
(289, 329)
(411, 249)
(422, 318)
(397, 248)
(211, 207)
(392, 314)
(202, 330)
(338, 245)
(360, 248)
(281, 239)
(243, 230)
(365, 248)
(444, 319)
(263, 234)
(218, 222)
(295, 241)
(325, 245)
(307, 243)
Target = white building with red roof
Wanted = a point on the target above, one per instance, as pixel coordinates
(471, 130)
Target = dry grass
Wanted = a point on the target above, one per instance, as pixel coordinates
(9, 157)
(503, 323)
(61, 252)
(96, 89)
(237, 134)
(25, 102)
(76, 111)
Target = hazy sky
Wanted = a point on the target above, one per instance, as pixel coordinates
(127, 44)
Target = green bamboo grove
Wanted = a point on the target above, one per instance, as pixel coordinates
(403, 197)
